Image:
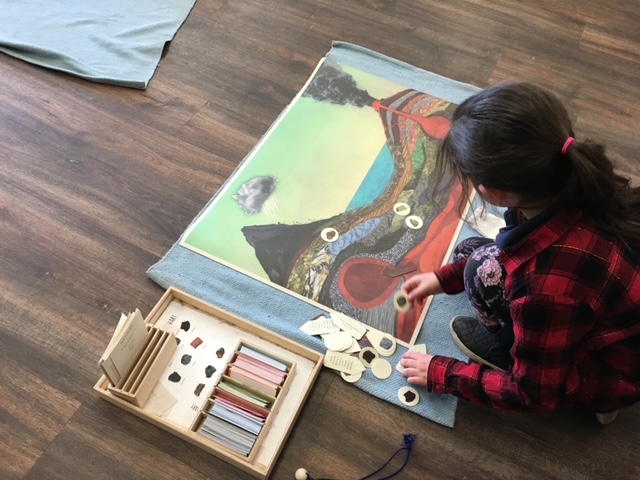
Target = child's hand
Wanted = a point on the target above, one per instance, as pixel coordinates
(416, 367)
(421, 286)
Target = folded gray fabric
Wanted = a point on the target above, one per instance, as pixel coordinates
(117, 41)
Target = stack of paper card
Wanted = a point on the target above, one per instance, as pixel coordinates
(235, 421)
(339, 333)
(341, 342)
(124, 348)
(261, 357)
(226, 430)
(241, 418)
(243, 398)
(256, 373)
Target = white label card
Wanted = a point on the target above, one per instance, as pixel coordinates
(319, 326)
(352, 327)
(343, 363)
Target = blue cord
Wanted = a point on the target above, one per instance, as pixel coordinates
(407, 445)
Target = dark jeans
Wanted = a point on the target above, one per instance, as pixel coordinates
(484, 277)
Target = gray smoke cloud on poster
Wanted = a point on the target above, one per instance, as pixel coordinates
(332, 84)
(253, 194)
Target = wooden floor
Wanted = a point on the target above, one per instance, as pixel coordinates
(97, 182)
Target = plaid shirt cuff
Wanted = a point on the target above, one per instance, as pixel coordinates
(451, 277)
(438, 372)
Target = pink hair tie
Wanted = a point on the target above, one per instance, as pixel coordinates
(567, 144)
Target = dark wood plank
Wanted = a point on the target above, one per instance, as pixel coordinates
(486, 444)
(32, 413)
(97, 182)
(91, 446)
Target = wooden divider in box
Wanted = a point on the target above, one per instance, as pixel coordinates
(138, 385)
(219, 335)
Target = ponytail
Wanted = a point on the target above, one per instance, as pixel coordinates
(594, 187)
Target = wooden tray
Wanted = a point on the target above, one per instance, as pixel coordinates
(216, 334)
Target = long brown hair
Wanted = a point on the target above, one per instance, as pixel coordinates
(510, 137)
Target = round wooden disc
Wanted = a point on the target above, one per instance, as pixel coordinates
(367, 355)
(401, 302)
(338, 341)
(381, 368)
(351, 378)
(408, 396)
(414, 222)
(329, 234)
(401, 208)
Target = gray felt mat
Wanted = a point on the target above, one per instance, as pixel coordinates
(283, 313)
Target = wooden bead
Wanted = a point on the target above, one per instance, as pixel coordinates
(301, 474)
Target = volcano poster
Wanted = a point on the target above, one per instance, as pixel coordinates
(334, 203)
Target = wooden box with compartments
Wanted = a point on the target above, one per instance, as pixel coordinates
(217, 381)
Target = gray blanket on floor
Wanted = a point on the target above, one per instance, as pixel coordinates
(118, 42)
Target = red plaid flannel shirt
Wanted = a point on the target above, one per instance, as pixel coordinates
(574, 298)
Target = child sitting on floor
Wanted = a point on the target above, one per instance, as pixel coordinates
(557, 294)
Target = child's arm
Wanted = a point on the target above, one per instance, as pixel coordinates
(547, 331)
(422, 286)
(447, 279)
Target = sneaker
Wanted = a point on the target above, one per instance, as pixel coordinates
(478, 343)
(606, 418)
